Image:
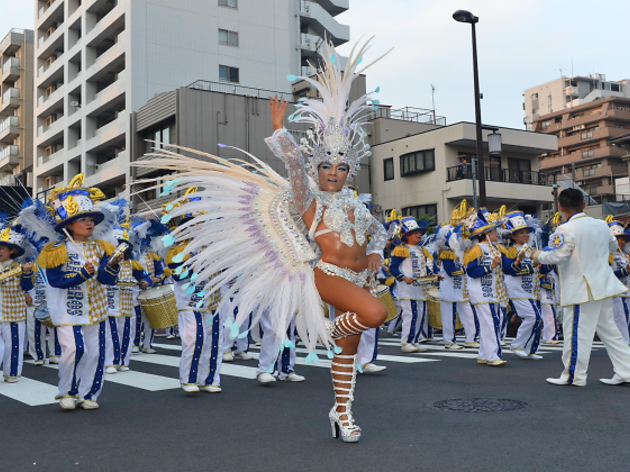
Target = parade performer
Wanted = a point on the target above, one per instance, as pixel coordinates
(454, 298)
(620, 262)
(200, 326)
(271, 365)
(413, 268)
(580, 248)
(522, 279)
(15, 281)
(77, 269)
(120, 306)
(36, 330)
(264, 216)
(484, 271)
(154, 266)
(549, 289)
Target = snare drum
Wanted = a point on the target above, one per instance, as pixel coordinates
(384, 295)
(160, 306)
(41, 314)
(435, 312)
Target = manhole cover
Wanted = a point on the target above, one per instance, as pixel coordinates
(480, 405)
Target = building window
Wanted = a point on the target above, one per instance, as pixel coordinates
(419, 211)
(519, 170)
(228, 3)
(417, 162)
(587, 135)
(228, 74)
(388, 168)
(228, 38)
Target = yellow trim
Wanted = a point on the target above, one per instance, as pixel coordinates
(401, 251)
(52, 256)
(611, 258)
(135, 265)
(167, 272)
(175, 251)
(472, 255)
(427, 254)
(447, 255)
(390, 280)
(155, 256)
(107, 247)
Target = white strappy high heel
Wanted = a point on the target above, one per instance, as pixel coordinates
(346, 428)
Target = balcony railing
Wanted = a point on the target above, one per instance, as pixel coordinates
(10, 93)
(9, 151)
(11, 62)
(417, 115)
(238, 90)
(10, 121)
(497, 174)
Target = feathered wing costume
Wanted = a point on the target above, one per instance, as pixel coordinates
(244, 221)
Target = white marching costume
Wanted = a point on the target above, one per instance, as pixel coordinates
(549, 309)
(14, 284)
(620, 263)
(580, 249)
(262, 212)
(35, 329)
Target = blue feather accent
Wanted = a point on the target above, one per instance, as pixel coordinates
(312, 357)
(165, 218)
(291, 78)
(333, 59)
(179, 257)
(359, 60)
(168, 240)
(288, 343)
(233, 331)
(360, 369)
(190, 290)
(330, 354)
(244, 334)
(209, 320)
(338, 350)
(378, 89)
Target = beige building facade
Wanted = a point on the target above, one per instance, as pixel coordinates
(431, 172)
(569, 92)
(16, 108)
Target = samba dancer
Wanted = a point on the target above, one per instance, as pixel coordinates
(77, 269)
(267, 214)
(15, 281)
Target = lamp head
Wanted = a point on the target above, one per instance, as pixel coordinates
(464, 16)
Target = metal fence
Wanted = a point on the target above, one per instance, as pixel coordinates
(235, 89)
(498, 174)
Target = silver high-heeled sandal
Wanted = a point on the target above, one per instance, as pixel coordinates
(346, 428)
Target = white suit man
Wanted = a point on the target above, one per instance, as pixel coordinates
(580, 249)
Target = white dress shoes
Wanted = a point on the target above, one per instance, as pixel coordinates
(265, 377)
(614, 381)
(562, 381)
(373, 368)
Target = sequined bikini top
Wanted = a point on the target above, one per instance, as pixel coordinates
(334, 207)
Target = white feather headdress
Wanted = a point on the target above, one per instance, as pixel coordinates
(337, 135)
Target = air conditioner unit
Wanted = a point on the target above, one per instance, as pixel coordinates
(50, 60)
(50, 90)
(50, 150)
(51, 119)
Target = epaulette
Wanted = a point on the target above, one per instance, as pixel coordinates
(611, 258)
(472, 254)
(135, 265)
(390, 280)
(53, 255)
(175, 250)
(427, 253)
(448, 255)
(167, 272)
(109, 248)
(401, 251)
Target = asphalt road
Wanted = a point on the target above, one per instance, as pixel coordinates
(284, 426)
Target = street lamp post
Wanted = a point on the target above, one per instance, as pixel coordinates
(464, 16)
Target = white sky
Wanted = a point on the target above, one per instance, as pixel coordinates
(521, 43)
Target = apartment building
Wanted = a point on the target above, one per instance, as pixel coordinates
(569, 92)
(98, 61)
(431, 172)
(16, 108)
(586, 154)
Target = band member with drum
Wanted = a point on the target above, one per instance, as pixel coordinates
(120, 304)
(15, 281)
(78, 268)
(413, 267)
(620, 263)
(522, 279)
(484, 272)
(154, 266)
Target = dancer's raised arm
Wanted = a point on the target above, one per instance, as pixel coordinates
(285, 148)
